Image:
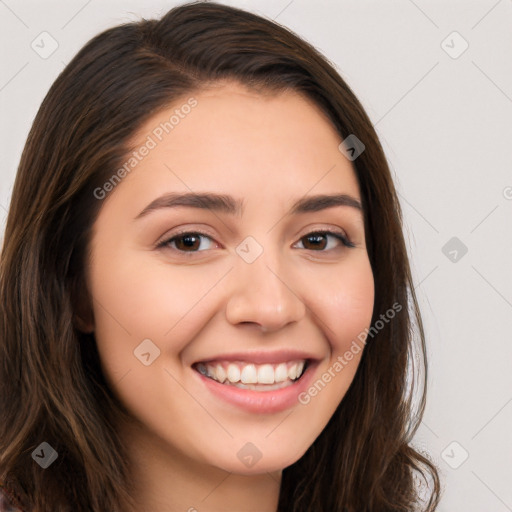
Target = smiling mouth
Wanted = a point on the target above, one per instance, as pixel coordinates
(256, 377)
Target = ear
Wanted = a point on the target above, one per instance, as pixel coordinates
(87, 327)
(83, 317)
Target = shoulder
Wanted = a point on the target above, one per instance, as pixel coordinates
(7, 500)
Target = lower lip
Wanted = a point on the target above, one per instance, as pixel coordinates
(261, 401)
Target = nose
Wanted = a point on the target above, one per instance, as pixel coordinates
(262, 295)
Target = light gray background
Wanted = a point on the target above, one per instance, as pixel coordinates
(446, 127)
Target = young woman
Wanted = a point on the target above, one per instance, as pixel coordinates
(206, 298)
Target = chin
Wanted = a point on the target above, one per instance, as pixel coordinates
(261, 463)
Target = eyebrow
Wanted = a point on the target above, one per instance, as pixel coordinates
(228, 204)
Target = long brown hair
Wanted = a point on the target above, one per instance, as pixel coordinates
(52, 387)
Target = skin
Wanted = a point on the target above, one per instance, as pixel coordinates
(268, 150)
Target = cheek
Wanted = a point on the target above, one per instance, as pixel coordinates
(343, 308)
(344, 303)
(136, 300)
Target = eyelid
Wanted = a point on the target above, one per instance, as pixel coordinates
(333, 231)
(338, 233)
(164, 243)
(185, 231)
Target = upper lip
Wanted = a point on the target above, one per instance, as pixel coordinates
(262, 357)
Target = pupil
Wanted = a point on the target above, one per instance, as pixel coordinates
(316, 238)
(189, 241)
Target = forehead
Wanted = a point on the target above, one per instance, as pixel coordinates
(240, 141)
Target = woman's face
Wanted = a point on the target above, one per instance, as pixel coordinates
(251, 291)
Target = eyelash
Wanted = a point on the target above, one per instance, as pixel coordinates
(336, 234)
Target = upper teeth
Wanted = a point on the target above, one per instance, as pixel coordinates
(249, 373)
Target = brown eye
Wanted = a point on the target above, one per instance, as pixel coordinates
(315, 241)
(187, 242)
(318, 240)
